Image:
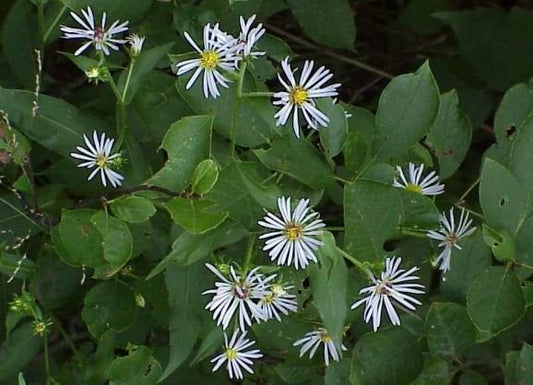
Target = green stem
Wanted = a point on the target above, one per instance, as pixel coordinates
(341, 180)
(353, 260)
(240, 80)
(249, 250)
(121, 110)
(257, 94)
(113, 86)
(469, 189)
(415, 233)
(46, 360)
(54, 23)
(474, 213)
(128, 78)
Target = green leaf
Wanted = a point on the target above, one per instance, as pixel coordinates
(328, 285)
(240, 190)
(495, 300)
(108, 305)
(189, 248)
(132, 209)
(204, 177)
(288, 154)
(194, 215)
(449, 136)
(332, 25)
(435, 372)
(81, 241)
(524, 369)
(137, 368)
(57, 125)
(187, 142)
(338, 373)
(392, 356)
(366, 232)
(520, 160)
(466, 263)
(144, 63)
(247, 121)
(117, 242)
(501, 243)
(510, 367)
(449, 331)
(407, 109)
(500, 55)
(513, 111)
(471, 377)
(210, 344)
(51, 292)
(19, 38)
(184, 286)
(13, 217)
(119, 9)
(501, 197)
(333, 136)
(18, 351)
(357, 148)
(11, 263)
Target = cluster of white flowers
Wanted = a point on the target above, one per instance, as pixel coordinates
(449, 233)
(241, 298)
(222, 52)
(103, 39)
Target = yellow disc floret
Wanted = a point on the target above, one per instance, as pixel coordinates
(101, 161)
(414, 188)
(209, 60)
(293, 232)
(298, 95)
(324, 336)
(231, 354)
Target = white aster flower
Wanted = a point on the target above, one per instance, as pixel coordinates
(249, 36)
(427, 186)
(136, 44)
(214, 57)
(312, 340)
(237, 294)
(235, 356)
(99, 157)
(393, 287)
(449, 234)
(97, 35)
(277, 300)
(299, 96)
(293, 240)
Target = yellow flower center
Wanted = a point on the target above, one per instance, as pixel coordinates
(101, 161)
(231, 354)
(267, 298)
(277, 290)
(325, 337)
(209, 60)
(414, 188)
(298, 95)
(293, 232)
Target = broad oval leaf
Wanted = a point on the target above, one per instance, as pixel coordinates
(449, 331)
(196, 215)
(132, 209)
(108, 305)
(495, 300)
